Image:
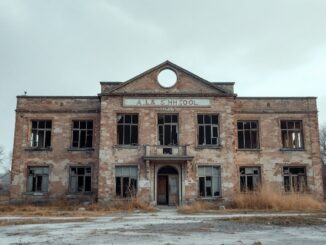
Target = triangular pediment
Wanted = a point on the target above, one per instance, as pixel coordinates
(186, 83)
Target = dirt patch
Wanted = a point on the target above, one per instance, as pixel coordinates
(7, 222)
(280, 220)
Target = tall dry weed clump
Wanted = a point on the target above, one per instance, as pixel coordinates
(131, 204)
(196, 207)
(269, 199)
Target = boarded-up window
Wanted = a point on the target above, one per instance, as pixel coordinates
(127, 129)
(41, 134)
(126, 180)
(82, 134)
(80, 179)
(38, 179)
(295, 179)
(209, 181)
(292, 134)
(248, 135)
(208, 131)
(249, 178)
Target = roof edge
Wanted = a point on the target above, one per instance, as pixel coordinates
(110, 82)
(273, 98)
(223, 83)
(55, 97)
(169, 63)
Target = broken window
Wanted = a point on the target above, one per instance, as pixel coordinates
(82, 134)
(295, 179)
(38, 179)
(126, 180)
(292, 134)
(208, 132)
(80, 179)
(209, 181)
(248, 135)
(41, 134)
(127, 129)
(249, 179)
(168, 129)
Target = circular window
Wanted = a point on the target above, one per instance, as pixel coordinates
(167, 78)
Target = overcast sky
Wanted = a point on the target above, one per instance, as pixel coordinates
(269, 48)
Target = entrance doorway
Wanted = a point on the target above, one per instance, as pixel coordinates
(167, 186)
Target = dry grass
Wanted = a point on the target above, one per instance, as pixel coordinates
(65, 208)
(123, 205)
(268, 199)
(264, 199)
(4, 198)
(196, 207)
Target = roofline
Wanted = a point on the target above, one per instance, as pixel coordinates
(110, 82)
(117, 82)
(172, 65)
(280, 98)
(166, 95)
(54, 97)
(223, 83)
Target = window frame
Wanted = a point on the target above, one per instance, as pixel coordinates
(79, 130)
(246, 179)
(301, 130)
(127, 124)
(290, 179)
(219, 181)
(218, 139)
(243, 131)
(177, 124)
(45, 130)
(29, 189)
(130, 177)
(84, 179)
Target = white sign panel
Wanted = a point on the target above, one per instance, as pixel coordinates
(166, 102)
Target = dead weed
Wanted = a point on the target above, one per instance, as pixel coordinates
(66, 208)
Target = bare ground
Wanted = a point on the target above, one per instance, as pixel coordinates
(168, 227)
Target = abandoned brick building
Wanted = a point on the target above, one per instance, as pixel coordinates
(167, 143)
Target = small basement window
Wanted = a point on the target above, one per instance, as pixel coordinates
(80, 179)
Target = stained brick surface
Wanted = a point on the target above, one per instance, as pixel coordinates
(106, 154)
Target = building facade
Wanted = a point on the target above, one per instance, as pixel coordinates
(166, 143)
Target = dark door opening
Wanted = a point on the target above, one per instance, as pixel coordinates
(167, 186)
(162, 190)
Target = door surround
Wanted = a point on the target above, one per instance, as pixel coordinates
(169, 171)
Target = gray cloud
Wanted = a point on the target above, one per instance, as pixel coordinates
(270, 48)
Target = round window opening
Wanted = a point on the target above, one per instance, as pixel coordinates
(167, 78)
